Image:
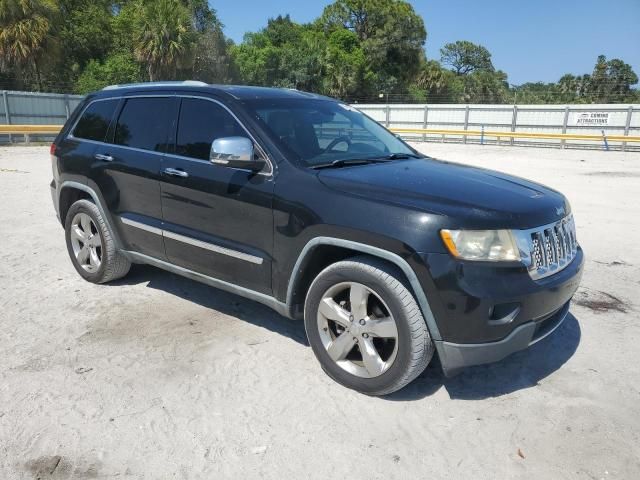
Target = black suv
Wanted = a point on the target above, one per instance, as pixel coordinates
(305, 204)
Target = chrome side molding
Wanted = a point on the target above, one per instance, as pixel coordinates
(141, 226)
(193, 241)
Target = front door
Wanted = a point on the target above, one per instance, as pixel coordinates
(218, 221)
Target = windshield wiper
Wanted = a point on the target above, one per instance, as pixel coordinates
(353, 161)
(398, 156)
(364, 161)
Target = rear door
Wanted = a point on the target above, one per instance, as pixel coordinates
(75, 151)
(217, 220)
(126, 169)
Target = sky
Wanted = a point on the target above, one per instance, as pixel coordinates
(533, 40)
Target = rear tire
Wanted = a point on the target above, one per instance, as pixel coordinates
(90, 244)
(365, 326)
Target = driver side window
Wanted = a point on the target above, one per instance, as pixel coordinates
(201, 122)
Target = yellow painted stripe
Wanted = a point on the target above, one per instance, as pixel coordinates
(22, 129)
(495, 133)
(26, 129)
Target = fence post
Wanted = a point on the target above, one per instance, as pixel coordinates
(387, 121)
(7, 115)
(425, 122)
(466, 121)
(563, 142)
(606, 143)
(67, 109)
(514, 119)
(482, 135)
(627, 125)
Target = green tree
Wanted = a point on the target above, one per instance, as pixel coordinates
(259, 57)
(27, 38)
(391, 36)
(572, 88)
(212, 62)
(203, 16)
(611, 81)
(465, 57)
(212, 59)
(484, 86)
(165, 37)
(535, 93)
(117, 68)
(85, 31)
(123, 25)
(256, 60)
(438, 84)
(284, 54)
(304, 61)
(345, 64)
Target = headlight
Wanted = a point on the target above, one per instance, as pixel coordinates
(487, 245)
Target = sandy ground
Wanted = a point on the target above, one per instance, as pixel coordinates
(157, 376)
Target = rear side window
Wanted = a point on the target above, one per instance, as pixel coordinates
(144, 123)
(200, 123)
(94, 122)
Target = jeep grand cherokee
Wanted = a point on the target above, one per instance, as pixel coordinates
(305, 204)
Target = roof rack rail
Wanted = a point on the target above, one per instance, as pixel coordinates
(193, 83)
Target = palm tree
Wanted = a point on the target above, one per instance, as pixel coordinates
(431, 76)
(436, 81)
(165, 37)
(26, 34)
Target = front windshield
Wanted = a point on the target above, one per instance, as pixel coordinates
(319, 132)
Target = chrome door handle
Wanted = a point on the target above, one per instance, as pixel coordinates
(174, 172)
(104, 158)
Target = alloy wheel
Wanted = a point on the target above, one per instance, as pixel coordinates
(357, 329)
(86, 242)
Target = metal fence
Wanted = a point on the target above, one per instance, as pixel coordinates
(29, 108)
(600, 120)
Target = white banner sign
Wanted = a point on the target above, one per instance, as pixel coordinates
(590, 119)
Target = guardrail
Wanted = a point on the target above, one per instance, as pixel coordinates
(570, 119)
(512, 135)
(28, 130)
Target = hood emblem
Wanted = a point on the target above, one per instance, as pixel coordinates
(559, 210)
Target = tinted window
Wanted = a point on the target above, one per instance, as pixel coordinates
(144, 123)
(319, 131)
(94, 123)
(200, 123)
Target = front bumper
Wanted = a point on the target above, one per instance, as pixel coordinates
(456, 356)
(486, 312)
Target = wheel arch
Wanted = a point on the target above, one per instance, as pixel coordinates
(330, 250)
(68, 196)
(71, 191)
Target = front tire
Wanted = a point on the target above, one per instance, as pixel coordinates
(90, 245)
(365, 327)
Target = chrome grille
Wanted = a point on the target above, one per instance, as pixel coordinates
(551, 247)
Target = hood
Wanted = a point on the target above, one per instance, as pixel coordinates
(471, 197)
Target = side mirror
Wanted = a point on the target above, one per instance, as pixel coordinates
(235, 152)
